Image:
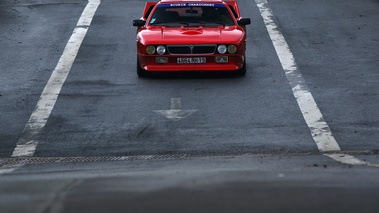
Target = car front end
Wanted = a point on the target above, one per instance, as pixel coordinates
(187, 41)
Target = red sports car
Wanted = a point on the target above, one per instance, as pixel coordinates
(185, 35)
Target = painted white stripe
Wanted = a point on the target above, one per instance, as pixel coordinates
(349, 159)
(28, 142)
(8, 169)
(320, 130)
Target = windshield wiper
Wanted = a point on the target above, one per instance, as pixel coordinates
(171, 24)
(211, 24)
(217, 23)
(184, 23)
(191, 24)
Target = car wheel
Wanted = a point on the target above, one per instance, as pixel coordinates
(140, 71)
(242, 71)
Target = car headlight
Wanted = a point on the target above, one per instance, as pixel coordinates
(232, 49)
(221, 49)
(150, 49)
(161, 50)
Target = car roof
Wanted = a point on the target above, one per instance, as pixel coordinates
(191, 1)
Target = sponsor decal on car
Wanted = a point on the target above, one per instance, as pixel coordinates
(191, 5)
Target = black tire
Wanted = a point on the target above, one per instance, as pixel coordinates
(242, 71)
(140, 71)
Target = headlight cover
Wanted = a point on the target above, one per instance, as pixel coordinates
(161, 49)
(232, 49)
(221, 49)
(150, 49)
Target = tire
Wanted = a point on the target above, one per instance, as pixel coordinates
(242, 71)
(140, 71)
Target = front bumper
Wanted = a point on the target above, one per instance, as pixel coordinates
(149, 63)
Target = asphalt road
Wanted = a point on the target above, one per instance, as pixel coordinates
(245, 145)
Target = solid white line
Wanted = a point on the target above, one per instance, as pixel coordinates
(28, 142)
(320, 130)
(9, 168)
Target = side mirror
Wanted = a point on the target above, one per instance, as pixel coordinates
(244, 21)
(139, 22)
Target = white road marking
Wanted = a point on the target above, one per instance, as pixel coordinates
(9, 168)
(349, 159)
(320, 130)
(28, 142)
(175, 113)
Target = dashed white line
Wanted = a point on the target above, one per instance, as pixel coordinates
(28, 142)
(320, 130)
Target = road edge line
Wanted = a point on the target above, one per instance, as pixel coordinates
(320, 131)
(27, 143)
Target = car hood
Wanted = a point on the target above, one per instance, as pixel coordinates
(166, 35)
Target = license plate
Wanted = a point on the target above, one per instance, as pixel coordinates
(197, 60)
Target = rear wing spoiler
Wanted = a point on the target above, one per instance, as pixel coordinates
(233, 6)
(148, 8)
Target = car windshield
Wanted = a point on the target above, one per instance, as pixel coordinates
(188, 15)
